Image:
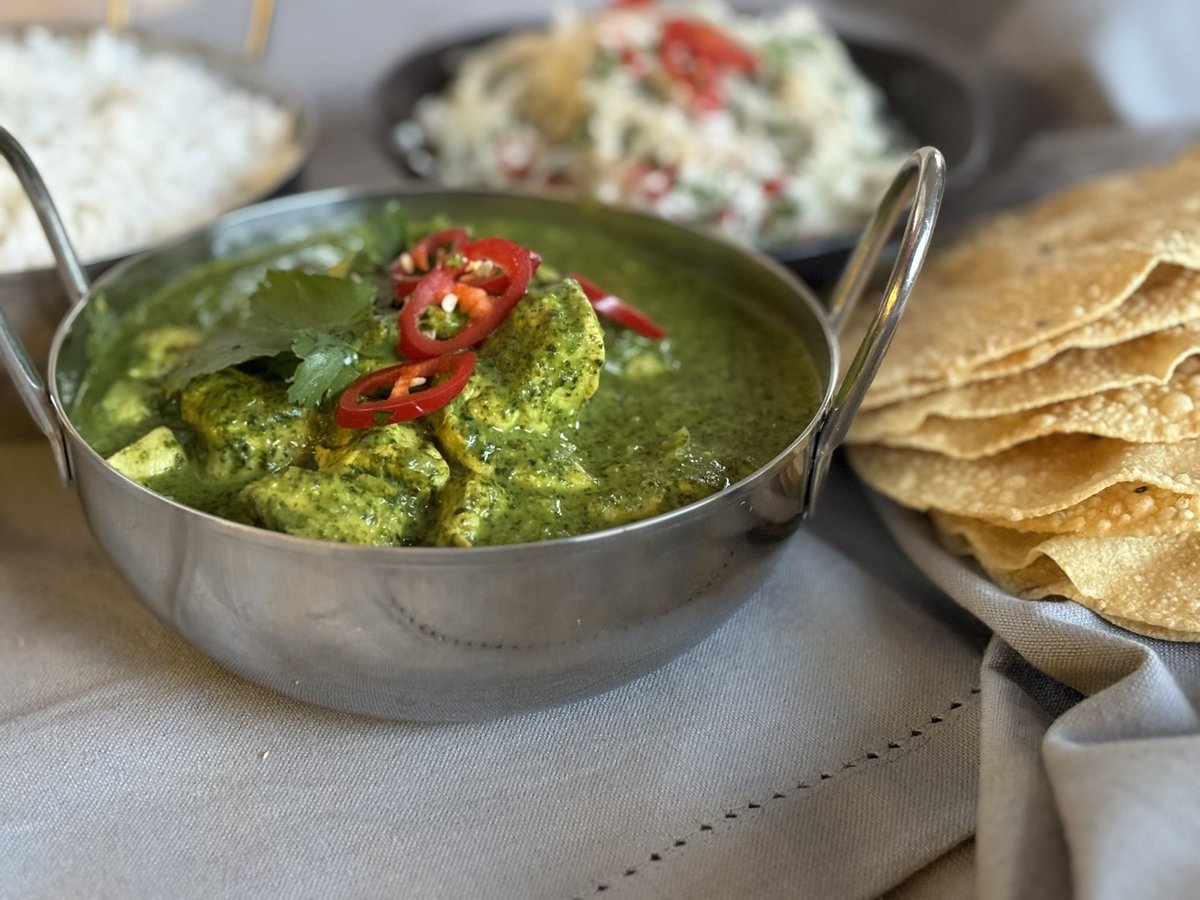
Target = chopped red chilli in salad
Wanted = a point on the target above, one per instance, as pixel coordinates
(696, 53)
(404, 392)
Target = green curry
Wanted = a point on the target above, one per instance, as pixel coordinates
(218, 390)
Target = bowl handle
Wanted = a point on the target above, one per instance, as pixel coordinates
(919, 186)
(28, 381)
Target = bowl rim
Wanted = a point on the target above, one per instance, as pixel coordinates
(327, 197)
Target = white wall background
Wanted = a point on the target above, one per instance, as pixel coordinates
(1071, 72)
(1110, 60)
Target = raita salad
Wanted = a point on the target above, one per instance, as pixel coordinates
(758, 126)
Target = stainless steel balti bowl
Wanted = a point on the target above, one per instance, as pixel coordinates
(453, 633)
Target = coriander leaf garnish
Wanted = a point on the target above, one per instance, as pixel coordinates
(302, 300)
(326, 367)
(285, 305)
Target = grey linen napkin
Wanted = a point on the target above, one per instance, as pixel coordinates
(1089, 743)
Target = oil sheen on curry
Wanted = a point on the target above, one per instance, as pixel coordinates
(441, 383)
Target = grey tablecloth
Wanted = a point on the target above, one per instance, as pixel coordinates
(822, 743)
(863, 724)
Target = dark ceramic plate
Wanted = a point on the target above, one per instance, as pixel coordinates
(927, 92)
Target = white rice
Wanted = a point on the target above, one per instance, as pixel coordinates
(134, 145)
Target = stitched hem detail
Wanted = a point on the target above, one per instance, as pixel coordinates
(892, 750)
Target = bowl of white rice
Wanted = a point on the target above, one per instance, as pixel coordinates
(770, 128)
(140, 138)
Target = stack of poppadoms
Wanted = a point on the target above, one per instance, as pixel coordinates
(1041, 399)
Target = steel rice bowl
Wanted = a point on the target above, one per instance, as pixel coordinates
(451, 633)
(31, 296)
